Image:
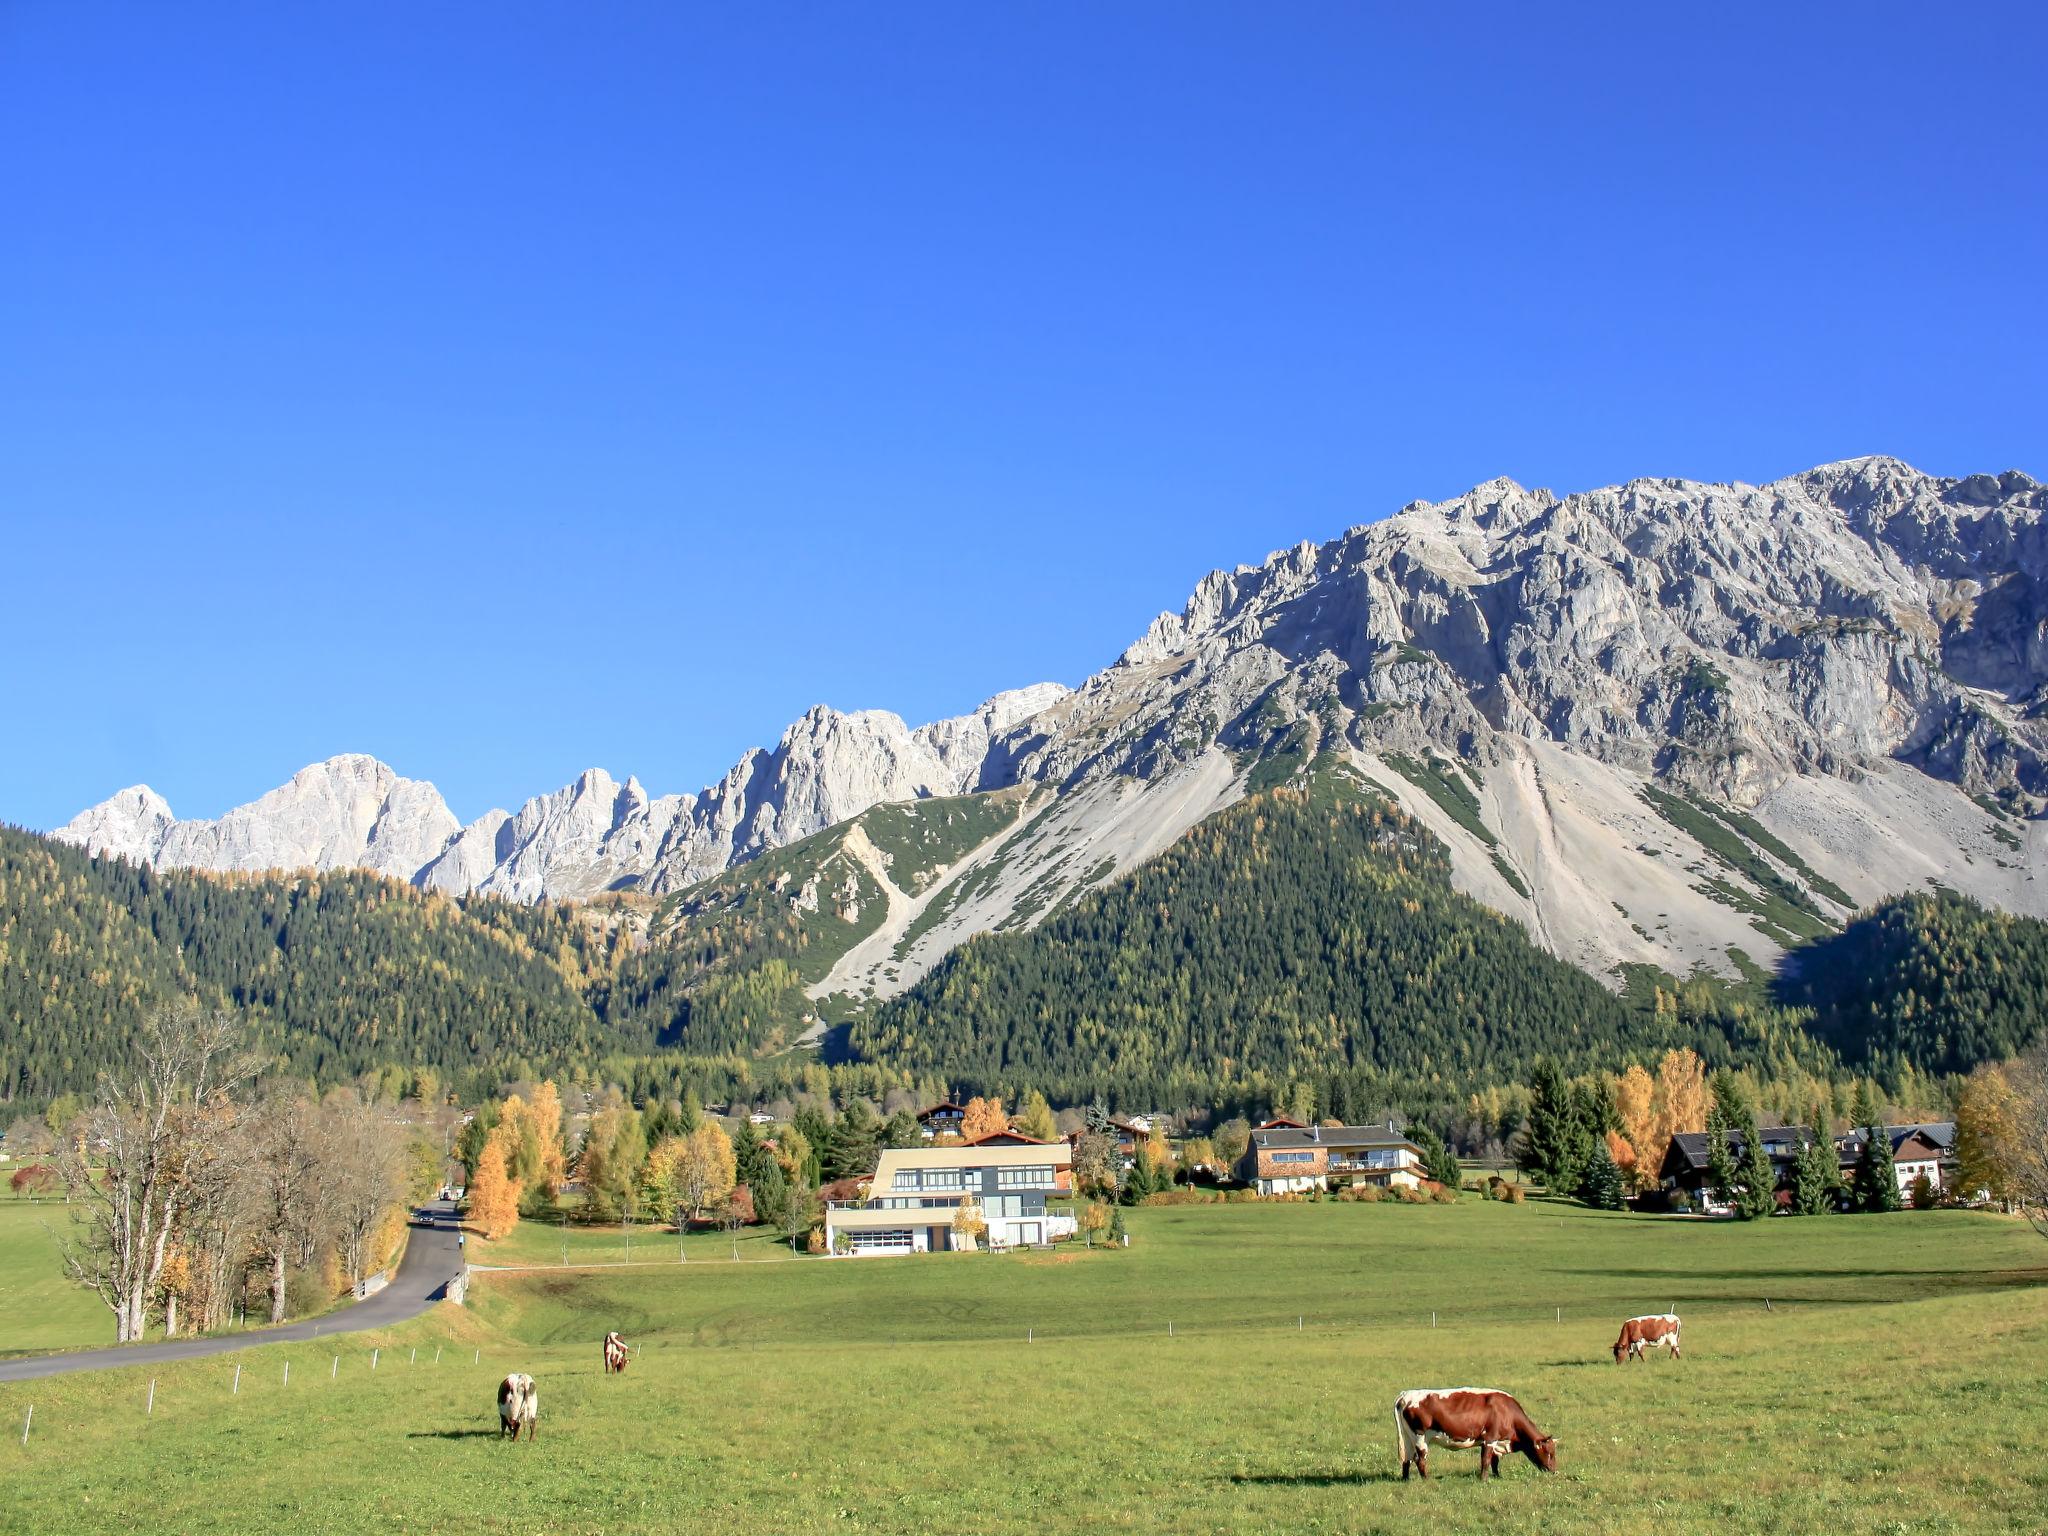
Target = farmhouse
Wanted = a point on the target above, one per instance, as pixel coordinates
(916, 1192)
(1927, 1149)
(1285, 1159)
(1685, 1164)
(941, 1120)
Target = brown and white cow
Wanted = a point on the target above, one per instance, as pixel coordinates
(1465, 1418)
(615, 1353)
(1641, 1334)
(518, 1404)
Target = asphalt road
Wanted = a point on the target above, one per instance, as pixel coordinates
(432, 1259)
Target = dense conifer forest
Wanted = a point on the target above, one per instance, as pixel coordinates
(1309, 932)
(1935, 980)
(1307, 939)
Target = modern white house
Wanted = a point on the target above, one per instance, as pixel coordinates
(917, 1191)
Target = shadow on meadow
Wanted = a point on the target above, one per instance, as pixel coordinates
(1314, 1479)
(456, 1434)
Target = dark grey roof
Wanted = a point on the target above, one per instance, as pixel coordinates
(1939, 1134)
(1778, 1140)
(1332, 1136)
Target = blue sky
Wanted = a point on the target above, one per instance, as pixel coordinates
(507, 389)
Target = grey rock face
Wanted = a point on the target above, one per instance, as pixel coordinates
(348, 812)
(1841, 652)
(1723, 637)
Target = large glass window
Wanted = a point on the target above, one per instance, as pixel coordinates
(1294, 1157)
(928, 1178)
(1024, 1178)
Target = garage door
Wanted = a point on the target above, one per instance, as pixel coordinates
(889, 1240)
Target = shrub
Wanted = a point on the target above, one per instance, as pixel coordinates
(1410, 1195)
(1512, 1193)
(305, 1293)
(1924, 1195)
(1680, 1202)
(1443, 1196)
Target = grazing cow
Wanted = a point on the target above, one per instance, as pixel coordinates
(1465, 1417)
(1642, 1334)
(614, 1354)
(518, 1404)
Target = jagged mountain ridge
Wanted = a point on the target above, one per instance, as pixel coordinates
(592, 835)
(1658, 722)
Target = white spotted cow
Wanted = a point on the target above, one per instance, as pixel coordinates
(615, 1353)
(1639, 1335)
(1468, 1418)
(518, 1405)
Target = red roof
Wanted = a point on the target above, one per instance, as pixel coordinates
(1282, 1123)
(1006, 1139)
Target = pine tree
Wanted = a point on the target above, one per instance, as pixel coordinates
(1601, 1187)
(1137, 1180)
(1556, 1143)
(1814, 1176)
(1875, 1186)
(1437, 1160)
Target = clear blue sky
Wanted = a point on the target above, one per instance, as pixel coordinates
(503, 389)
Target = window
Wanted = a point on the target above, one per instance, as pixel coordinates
(1294, 1157)
(887, 1241)
(927, 1178)
(1023, 1178)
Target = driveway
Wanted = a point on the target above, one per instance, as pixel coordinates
(432, 1259)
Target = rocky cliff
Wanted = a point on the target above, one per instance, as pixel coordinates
(1662, 722)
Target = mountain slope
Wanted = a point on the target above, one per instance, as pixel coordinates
(1663, 723)
(1306, 931)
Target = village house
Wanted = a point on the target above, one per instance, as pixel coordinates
(1684, 1170)
(916, 1192)
(1290, 1159)
(1927, 1149)
(941, 1120)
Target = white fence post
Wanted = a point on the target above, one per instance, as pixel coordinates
(373, 1358)
(26, 1422)
(287, 1373)
(437, 1354)
(149, 1409)
(237, 1387)
(334, 1370)
(415, 1360)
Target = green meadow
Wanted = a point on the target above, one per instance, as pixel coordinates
(39, 1310)
(1233, 1370)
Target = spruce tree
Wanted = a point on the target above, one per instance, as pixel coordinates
(1875, 1186)
(1137, 1182)
(1814, 1176)
(1555, 1143)
(1438, 1163)
(1601, 1187)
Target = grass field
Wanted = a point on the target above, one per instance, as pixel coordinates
(1895, 1383)
(38, 1309)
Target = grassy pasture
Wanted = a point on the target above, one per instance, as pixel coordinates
(39, 1310)
(1895, 1383)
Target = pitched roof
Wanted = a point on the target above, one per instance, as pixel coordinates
(1331, 1136)
(1939, 1135)
(1693, 1149)
(1006, 1139)
(947, 1108)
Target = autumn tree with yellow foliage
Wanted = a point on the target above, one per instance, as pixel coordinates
(984, 1117)
(493, 1192)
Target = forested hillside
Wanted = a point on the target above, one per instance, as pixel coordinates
(1937, 980)
(339, 972)
(1308, 932)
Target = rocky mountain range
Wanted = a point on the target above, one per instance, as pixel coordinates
(1663, 722)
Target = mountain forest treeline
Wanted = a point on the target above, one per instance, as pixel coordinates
(1304, 946)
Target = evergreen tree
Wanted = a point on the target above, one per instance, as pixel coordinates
(1438, 1163)
(1137, 1180)
(1815, 1176)
(1601, 1187)
(1557, 1143)
(1875, 1185)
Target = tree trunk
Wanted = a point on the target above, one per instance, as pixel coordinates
(277, 1284)
(171, 1315)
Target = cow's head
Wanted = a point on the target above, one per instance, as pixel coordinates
(1544, 1453)
(1620, 1349)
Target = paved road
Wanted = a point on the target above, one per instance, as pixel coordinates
(432, 1259)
